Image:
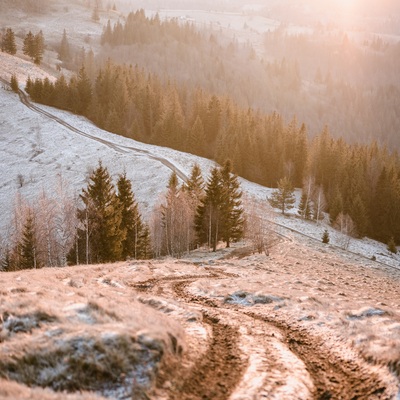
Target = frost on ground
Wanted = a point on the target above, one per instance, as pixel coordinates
(91, 336)
(207, 325)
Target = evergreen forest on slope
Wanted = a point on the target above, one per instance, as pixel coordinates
(358, 177)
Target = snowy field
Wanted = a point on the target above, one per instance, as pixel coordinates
(36, 151)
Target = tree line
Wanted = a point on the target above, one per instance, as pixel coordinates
(104, 223)
(33, 45)
(361, 181)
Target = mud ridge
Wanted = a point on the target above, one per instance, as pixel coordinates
(221, 367)
(333, 378)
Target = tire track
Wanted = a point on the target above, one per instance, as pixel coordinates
(333, 377)
(221, 367)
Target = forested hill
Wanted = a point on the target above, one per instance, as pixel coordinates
(360, 181)
(352, 86)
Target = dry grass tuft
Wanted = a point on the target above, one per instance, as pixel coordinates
(97, 363)
(24, 323)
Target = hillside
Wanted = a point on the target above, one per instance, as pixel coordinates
(33, 162)
(302, 305)
(305, 322)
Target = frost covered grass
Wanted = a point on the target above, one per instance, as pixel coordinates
(70, 331)
(338, 296)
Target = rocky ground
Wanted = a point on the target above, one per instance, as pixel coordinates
(305, 322)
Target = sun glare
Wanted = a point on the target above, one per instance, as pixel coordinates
(347, 6)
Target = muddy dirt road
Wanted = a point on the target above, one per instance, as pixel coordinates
(252, 353)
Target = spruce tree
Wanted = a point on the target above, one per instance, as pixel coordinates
(358, 214)
(38, 48)
(14, 83)
(336, 207)
(219, 214)
(64, 53)
(145, 250)
(101, 216)
(391, 246)
(131, 219)
(8, 43)
(305, 209)
(196, 138)
(283, 197)
(28, 47)
(28, 85)
(325, 237)
(84, 92)
(208, 213)
(27, 248)
(231, 206)
(195, 184)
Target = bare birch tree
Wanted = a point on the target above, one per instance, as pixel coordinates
(345, 225)
(319, 201)
(66, 221)
(259, 224)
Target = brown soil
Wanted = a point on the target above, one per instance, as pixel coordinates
(222, 365)
(302, 323)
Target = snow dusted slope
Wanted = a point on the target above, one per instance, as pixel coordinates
(36, 150)
(41, 144)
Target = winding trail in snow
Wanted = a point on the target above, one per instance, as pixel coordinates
(128, 149)
(116, 147)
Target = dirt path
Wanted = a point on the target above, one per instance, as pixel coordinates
(333, 378)
(221, 369)
(116, 147)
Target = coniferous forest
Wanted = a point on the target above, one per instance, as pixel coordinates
(361, 181)
(358, 180)
(105, 223)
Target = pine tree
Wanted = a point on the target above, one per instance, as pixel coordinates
(391, 246)
(38, 48)
(131, 219)
(64, 53)
(84, 92)
(283, 197)
(325, 237)
(208, 213)
(28, 85)
(14, 83)
(28, 247)
(145, 251)
(336, 207)
(195, 184)
(101, 217)
(305, 209)
(29, 45)
(8, 43)
(231, 206)
(358, 214)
